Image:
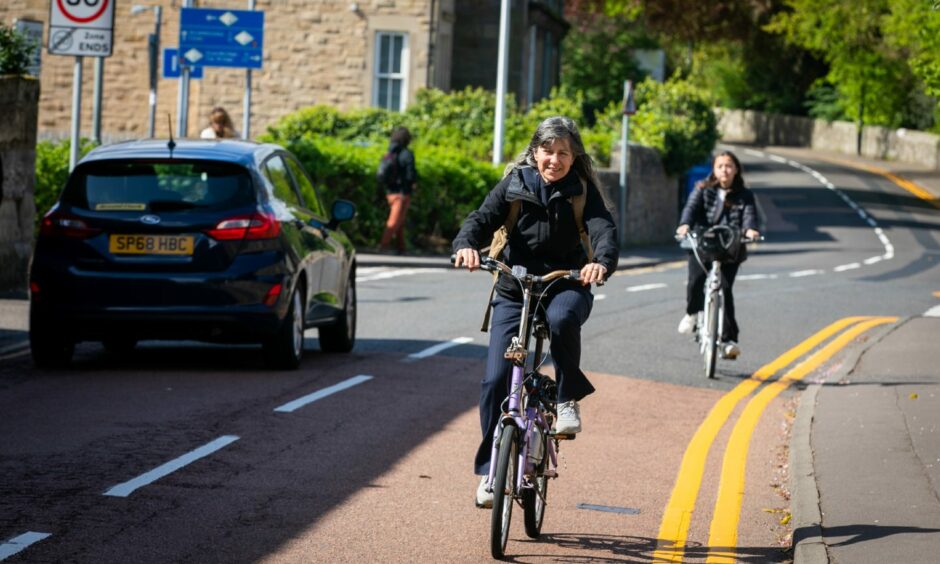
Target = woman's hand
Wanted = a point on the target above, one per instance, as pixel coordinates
(752, 234)
(467, 257)
(592, 272)
(682, 230)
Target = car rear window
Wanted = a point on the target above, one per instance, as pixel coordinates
(159, 186)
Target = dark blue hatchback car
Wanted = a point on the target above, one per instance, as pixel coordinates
(222, 241)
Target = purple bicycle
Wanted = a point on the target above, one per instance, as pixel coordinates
(525, 447)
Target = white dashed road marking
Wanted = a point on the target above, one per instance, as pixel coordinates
(933, 312)
(20, 542)
(430, 351)
(644, 287)
(320, 394)
(127, 488)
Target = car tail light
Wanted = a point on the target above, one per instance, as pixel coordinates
(58, 224)
(258, 225)
(271, 298)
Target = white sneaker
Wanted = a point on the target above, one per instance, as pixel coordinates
(730, 350)
(569, 418)
(484, 499)
(687, 325)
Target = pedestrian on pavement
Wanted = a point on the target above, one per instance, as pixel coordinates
(720, 199)
(398, 177)
(220, 125)
(547, 178)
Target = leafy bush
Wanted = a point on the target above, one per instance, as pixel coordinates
(15, 51)
(674, 117)
(52, 171)
(450, 186)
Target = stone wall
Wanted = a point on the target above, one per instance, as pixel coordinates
(18, 105)
(652, 196)
(746, 126)
(315, 52)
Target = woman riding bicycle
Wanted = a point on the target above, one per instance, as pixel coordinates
(552, 170)
(721, 199)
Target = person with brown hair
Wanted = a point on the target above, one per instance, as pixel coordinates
(397, 175)
(720, 199)
(220, 125)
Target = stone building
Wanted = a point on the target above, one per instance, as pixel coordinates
(335, 52)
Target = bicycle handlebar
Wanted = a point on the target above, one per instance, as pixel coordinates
(490, 264)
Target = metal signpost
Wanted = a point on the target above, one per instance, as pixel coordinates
(222, 38)
(629, 108)
(501, 76)
(83, 28)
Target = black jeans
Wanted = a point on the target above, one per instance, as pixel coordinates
(566, 313)
(695, 294)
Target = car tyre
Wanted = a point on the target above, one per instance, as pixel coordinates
(286, 348)
(49, 346)
(340, 337)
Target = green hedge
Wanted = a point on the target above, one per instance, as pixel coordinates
(453, 143)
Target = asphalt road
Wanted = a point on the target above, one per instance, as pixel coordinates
(194, 453)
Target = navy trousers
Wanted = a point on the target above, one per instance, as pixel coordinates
(565, 313)
(695, 297)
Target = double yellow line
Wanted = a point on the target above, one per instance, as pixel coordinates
(723, 533)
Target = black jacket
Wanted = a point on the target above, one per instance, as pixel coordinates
(545, 237)
(407, 175)
(704, 209)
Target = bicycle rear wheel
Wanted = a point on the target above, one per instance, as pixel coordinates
(504, 485)
(711, 335)
(533, 505)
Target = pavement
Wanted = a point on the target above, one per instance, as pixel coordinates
(865, 448)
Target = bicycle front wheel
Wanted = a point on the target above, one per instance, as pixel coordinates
(711, 335)
(504, 485)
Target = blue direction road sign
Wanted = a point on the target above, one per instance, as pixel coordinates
(221, 38)
(171, 65)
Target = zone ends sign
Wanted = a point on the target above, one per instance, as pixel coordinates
(83, 28)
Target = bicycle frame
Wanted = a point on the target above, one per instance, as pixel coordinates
(521, 412)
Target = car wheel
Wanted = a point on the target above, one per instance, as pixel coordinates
(341, 335)
(285, 349)
(49, 346)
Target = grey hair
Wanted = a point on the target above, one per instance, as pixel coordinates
(558, 127)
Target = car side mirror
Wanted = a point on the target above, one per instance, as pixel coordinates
(342, 210)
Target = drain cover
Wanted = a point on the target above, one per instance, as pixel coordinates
(609, 509)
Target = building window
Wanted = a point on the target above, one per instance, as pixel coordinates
(391, 63)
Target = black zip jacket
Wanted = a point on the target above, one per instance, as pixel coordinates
(545, 236)
(704, 209)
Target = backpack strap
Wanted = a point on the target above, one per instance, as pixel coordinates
(577, 204)
(500, 239)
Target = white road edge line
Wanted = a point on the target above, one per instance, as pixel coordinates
(20, 542)
(430, 351)
(318, 395)
(802, 273)
(600, 297)
(127, 488)
(844, 267)
(644, 287)
(933, 312)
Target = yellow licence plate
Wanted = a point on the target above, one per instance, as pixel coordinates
(151, 244)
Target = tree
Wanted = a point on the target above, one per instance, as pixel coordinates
(872, 77)
(15, 51)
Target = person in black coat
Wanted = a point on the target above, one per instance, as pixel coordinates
(552, 169)
(721, 199)
(399, 189)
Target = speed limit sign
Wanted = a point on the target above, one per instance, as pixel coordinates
(81, 27)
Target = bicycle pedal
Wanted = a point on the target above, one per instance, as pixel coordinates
(550, 474)
(564, 436)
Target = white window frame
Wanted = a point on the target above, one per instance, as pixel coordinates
(378, 76)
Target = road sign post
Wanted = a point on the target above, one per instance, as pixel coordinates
(629, 108)
(83, 28)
